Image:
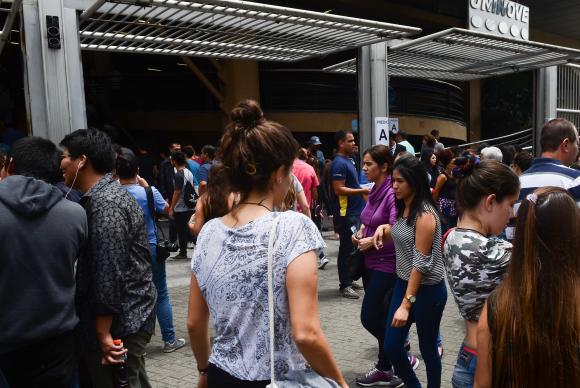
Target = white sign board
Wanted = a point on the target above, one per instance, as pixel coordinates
(500, 17)
(382, 127)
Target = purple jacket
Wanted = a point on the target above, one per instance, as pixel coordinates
(380, 209)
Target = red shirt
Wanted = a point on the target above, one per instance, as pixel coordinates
(306, 176)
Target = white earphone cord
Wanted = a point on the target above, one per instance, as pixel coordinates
(73, 182)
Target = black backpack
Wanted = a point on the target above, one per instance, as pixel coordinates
(190, 196)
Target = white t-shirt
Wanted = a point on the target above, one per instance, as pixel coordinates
(230, 265)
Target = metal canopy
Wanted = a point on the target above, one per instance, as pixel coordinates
(462, 55)
(226, 29)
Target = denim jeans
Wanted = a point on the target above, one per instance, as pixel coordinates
(375, 306)
(464, 372)
(343, 227)
(426, 312)
(164, 310)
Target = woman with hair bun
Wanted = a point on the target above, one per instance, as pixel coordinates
(529, 330)
(229, 279)
(474, 258)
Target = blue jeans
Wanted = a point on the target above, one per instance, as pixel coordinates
(464, 372)
(343, 226)
(426, 312)
(164, 310)
(375, 306)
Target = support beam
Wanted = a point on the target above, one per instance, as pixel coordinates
(474, 131)
(203, 79)
(54, 86)
(545, 101)
(373, 85)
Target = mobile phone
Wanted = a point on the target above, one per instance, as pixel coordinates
(353, 229)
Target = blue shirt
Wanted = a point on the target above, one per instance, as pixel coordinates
(193, 166)
(343, 169)
(140, 196)
(204, 171)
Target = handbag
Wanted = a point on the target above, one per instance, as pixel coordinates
(356, 264)
(162, 247)
(295, 378)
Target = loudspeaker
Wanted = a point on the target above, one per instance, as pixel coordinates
(53, 32)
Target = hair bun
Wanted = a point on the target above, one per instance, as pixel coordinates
(246, 113)
(465, 165)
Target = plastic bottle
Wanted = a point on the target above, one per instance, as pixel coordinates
(120, 373)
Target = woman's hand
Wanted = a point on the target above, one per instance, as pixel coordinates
(356, 238)
(381, 233)
(202, 380)
(401, 316)
(366, 244)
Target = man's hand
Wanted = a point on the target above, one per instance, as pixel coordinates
(111, 353)
(170, 214)
(142, 182)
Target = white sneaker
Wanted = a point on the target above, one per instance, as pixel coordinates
(322, 262)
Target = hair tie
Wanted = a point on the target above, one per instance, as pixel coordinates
(533, 198)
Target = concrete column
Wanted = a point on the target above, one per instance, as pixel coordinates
(54, 86)
(474, 124)
(373, 86)
(545, 101)
(241, 81)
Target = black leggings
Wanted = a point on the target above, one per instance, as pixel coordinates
(217, 378)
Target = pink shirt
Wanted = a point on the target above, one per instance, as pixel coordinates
(306, 176)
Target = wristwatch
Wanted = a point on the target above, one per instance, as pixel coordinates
(411, 298)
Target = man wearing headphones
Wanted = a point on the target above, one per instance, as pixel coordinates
(115, 293)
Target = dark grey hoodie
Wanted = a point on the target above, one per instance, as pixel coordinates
(41, 235)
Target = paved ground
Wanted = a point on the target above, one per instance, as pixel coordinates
(354, 348)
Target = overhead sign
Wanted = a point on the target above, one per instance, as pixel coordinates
(382, 127)
(500, 17)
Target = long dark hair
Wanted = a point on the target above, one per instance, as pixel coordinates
(415, 175)
(536, 311)
(215, 199)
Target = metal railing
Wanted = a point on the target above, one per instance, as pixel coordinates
(568, 106)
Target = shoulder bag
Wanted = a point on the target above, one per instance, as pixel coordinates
(293, 379)
(162, 246)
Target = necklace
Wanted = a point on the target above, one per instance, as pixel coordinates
(257, 204)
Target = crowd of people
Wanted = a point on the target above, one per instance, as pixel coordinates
(83, 257)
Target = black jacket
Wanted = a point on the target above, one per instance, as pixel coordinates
(166, 175)
(41, 235)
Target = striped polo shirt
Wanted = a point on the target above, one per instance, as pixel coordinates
(408, 257)
(549, 172)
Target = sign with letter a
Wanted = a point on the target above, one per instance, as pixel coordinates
(381, 131)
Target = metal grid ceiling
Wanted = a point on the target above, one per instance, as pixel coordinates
(226, 29)
(398, 66)
(478, 55)
(463, 55)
